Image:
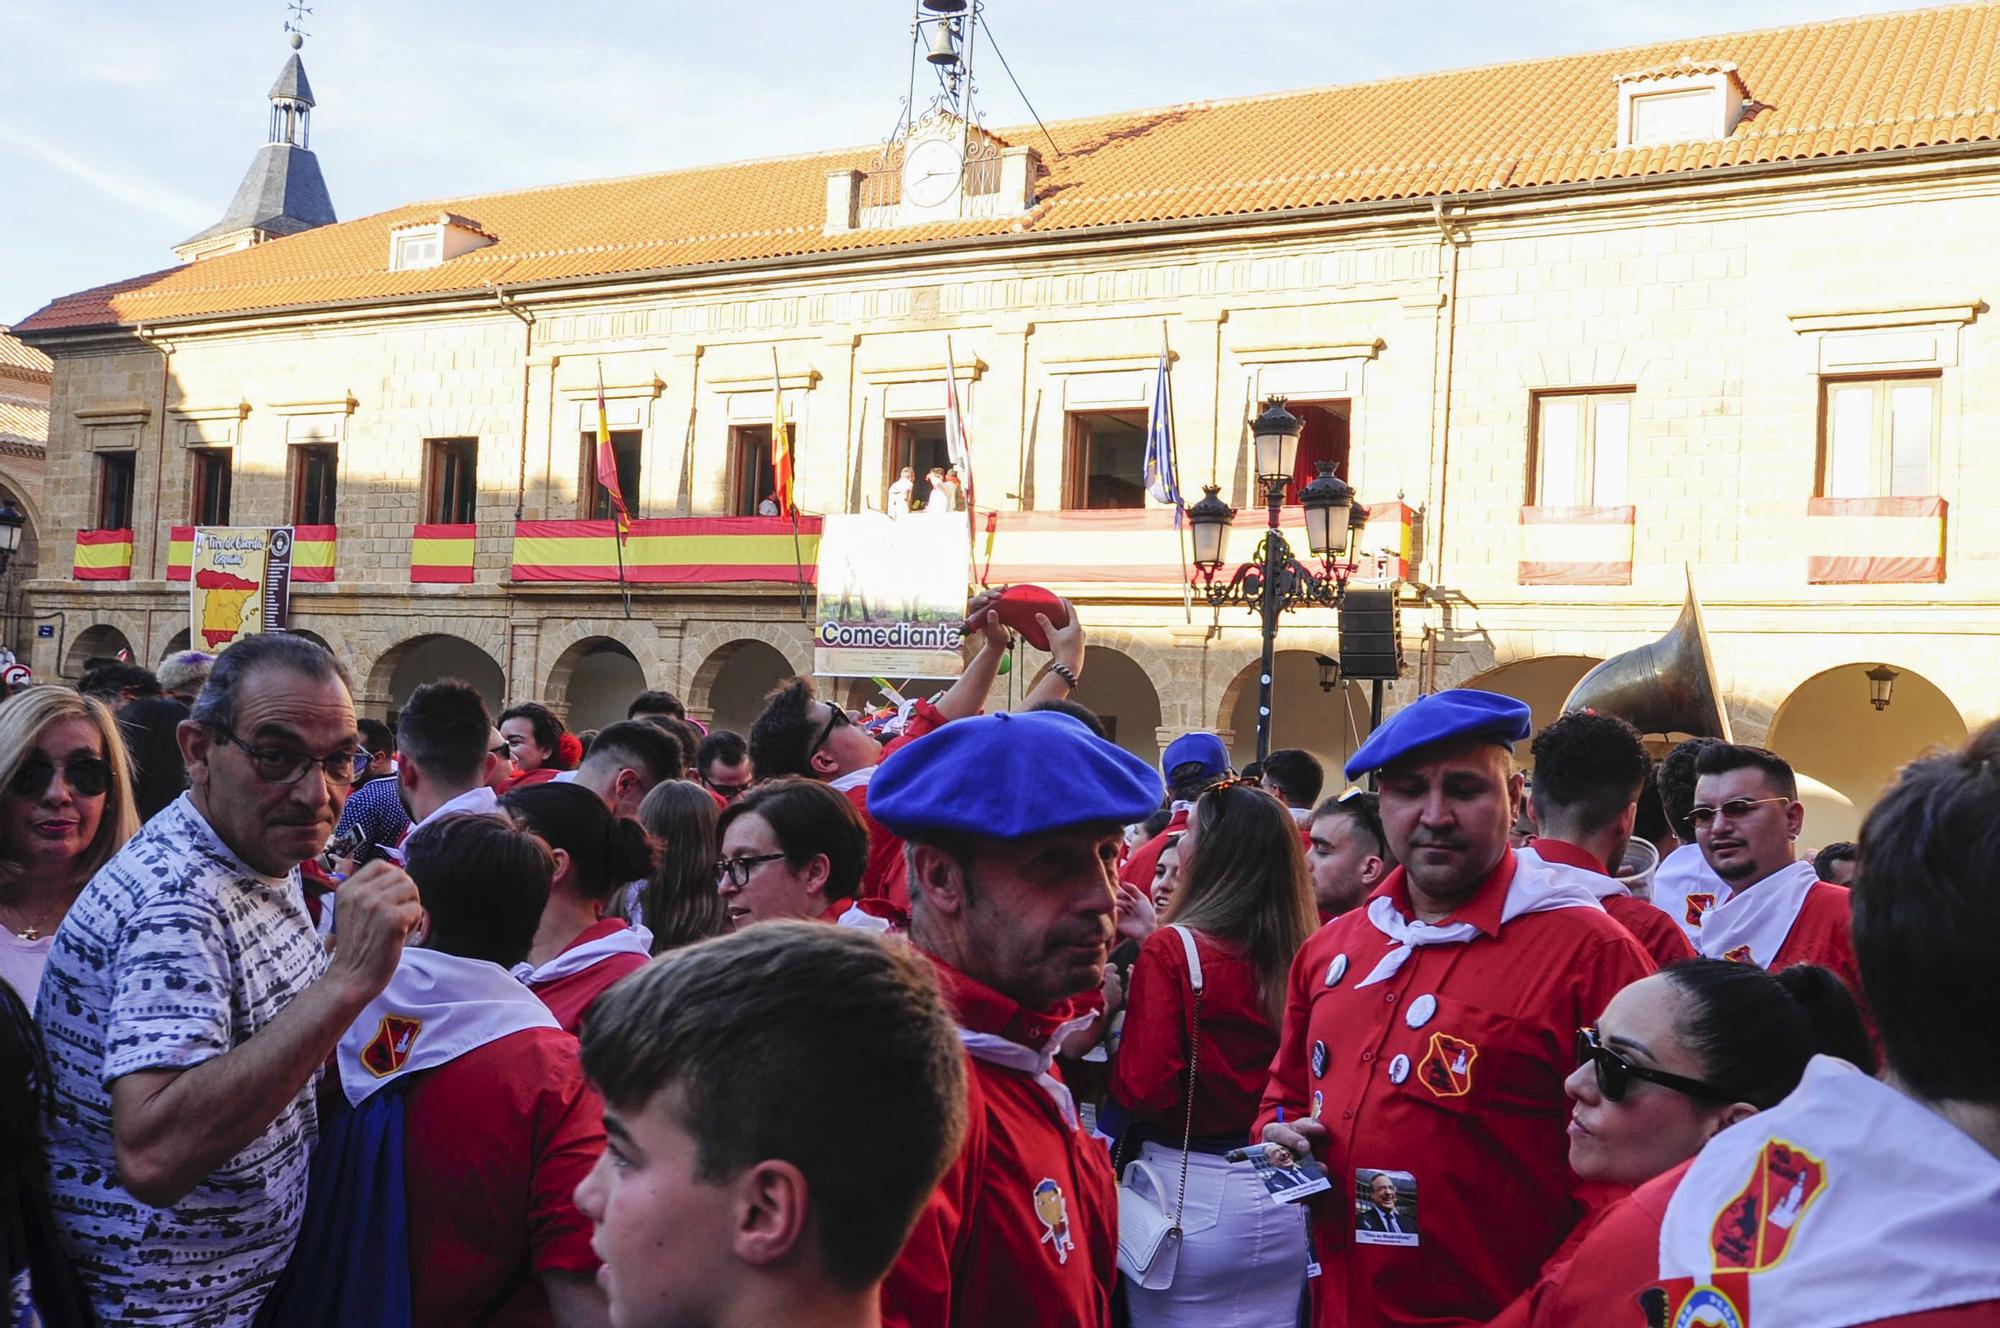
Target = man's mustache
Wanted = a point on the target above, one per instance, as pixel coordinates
(1424, 839)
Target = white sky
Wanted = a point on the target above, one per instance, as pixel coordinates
(125, 126)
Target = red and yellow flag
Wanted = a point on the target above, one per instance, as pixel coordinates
(103, 555)
(781, 443)
(607, 463)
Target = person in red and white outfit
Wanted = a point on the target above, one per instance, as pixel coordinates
(1747, 817)
(1589, 770)
(800, 734)
(1427, 1035)
(1190, 763)
(577, 950)
(1855, 1200)
(794, 848)
(446, 754)
(1014, 823)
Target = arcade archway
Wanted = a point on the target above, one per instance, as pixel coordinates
(1845, 752)
(102, 641)
(421, 659)
(1330, 725)
(596, 679)
(1544, 683)
(739, 675)
(1118, 690)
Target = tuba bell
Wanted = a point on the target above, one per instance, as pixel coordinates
(1666, 687)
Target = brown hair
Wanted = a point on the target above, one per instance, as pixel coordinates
(680, 903)
(483, 884)
(1247, 883)
(809, 819)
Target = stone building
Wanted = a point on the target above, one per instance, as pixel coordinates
(1713, 308)
(24, 437)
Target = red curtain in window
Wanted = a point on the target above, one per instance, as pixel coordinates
(1324, 438)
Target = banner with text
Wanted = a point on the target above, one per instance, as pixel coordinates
(239, 583)
(891, 596)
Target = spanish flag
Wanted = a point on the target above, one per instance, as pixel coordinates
(442, 554)
(180, 552)
(103, 555)
(607, 463)
(312, 552)
(781, 443)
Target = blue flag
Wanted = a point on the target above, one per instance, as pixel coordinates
(1161, 480)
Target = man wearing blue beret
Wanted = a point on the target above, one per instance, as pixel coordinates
(1191, 763)
(1428, 1034)
(1012, 824)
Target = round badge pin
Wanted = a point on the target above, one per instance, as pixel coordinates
(1420, 1011)
(1336, 970)
(1319, 1060)
(1399, 1069)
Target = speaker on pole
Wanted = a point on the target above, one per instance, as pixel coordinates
(1371, 646)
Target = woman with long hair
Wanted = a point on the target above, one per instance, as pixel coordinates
(578, 951)
(1245, 904)
(150, 726)
(679, 903)
(34, 1272)
(66, 806)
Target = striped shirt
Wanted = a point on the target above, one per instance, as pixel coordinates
(175, 953)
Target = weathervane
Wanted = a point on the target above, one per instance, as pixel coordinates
(296, 24)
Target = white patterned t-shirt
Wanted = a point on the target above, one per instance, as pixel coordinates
(175, 953)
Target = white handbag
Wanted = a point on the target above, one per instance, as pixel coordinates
(1149, 1239)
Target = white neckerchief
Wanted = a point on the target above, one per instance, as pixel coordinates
(853, 779)
(1601, 887)
(1759, 916)
(996, 1050)
(1823, 1183)
(1534, 889)
(1301, 816)
(861, 920)
(481, 801)
(634, 939)
(1684, 872)
(436, 1008)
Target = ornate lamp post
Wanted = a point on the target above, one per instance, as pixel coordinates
(11, 523)
(1274, 580)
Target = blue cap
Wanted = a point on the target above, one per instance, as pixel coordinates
(1202, 749)
(1007, 776)
(1443, 717)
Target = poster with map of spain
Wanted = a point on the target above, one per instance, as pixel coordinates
(239, 583)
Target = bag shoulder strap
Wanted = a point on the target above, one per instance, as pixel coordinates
(1193, 956)
(1194, 1061)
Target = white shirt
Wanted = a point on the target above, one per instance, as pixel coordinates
(21, 963)
(899, 497)
(175, 953)
(481, 801)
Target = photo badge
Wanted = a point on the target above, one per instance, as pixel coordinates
(1288, 1179)
(1385, 1207)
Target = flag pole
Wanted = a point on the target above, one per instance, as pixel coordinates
(789, 481)
(1174, 448)
(963, 449)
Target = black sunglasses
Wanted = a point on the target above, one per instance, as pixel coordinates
(87, 777)
(1615, 1074)
(835, 718)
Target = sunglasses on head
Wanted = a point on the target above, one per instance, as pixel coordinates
(1615, 1074)
(87, 777)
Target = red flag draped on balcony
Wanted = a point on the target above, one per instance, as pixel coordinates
(607, 477)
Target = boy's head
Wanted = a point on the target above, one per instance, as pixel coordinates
(779, 1104)
(483, 885)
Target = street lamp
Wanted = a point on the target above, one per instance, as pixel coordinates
(1881, 680)
(1274, 580)
(11, 525)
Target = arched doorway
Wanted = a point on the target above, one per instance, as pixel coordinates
(1330, 725)
(423, 659)
(102, 641)
(1118, 690)
(597, 679)
(23, 568)
(1845, 752)
(742, 673)
(1544, 682)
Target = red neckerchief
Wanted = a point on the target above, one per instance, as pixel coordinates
(983, 1010)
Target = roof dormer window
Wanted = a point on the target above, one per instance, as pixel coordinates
(419, 244)
(1689, 101)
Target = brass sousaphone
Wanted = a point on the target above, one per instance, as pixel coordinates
(1666, 687)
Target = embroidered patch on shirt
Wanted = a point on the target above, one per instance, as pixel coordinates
(1698, 904)
(1755, 1229)
(1446, 1069)
(389, 1049)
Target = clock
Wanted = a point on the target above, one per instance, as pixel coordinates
(932, 172)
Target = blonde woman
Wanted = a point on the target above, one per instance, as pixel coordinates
(66, 806)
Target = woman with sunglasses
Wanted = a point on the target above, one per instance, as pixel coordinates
(1675, 1059)
(65, 807)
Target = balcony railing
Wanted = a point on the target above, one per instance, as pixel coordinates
(1875, 541)
(1576, 546)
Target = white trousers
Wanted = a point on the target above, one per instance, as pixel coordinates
(1243, 1257)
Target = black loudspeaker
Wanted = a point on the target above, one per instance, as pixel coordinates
(1371, 644)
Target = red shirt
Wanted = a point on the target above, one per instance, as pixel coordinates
(982, 1252)
(1139, 867)
(1619, 1257)
(570, 996)
(1820, 935)
(496, 1142)
(886, 877)
(1478, 1117)
(1149, 1076)
(1658, 934)
(530, 779)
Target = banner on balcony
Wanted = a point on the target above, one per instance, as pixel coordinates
(891, 597)
(1874, 541)
(442, 554)
(239, 582)
(102, 555)
(1576, 546)
(669, 550)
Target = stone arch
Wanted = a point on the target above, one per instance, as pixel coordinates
(1543, 681)
(731, 683)
(1845, 752)
(1330, 725)
(176, 643)
(98, 640)
(25, 565)
(593, 681)
(433, 655)
(711, 642)
(1118, 688)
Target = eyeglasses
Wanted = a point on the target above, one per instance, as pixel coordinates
(737, 870)
(87, 777)
(834, 719)
(1615, 1074)
(728, 791)
(504, 751)
(278, 765)
(1735, 809)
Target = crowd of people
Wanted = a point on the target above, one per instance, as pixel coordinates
(971, 1019)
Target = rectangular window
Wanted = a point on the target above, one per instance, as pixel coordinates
(424, 249)
(597, 498)
(212, 466)
(750, 478)
(114, 490)
(1107, 459)
(919, 446)
(315, 477)
(1674, 117)
(451, 480)
(1878, 438)
(1581, 450)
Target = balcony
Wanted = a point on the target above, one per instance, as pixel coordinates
(1576, 546)
(1875, 541)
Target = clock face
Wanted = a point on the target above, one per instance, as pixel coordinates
(931, 172)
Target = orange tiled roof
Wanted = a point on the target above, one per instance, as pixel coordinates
(17, 355)
(1919, 78)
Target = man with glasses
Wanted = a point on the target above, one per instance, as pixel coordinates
(723, 762)
(1428, 1033)
(189, 1005)
(1747, 818)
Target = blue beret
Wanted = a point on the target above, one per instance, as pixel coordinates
(1203, 749)
(1010, 775)
(1442, 717)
